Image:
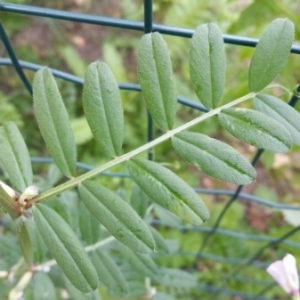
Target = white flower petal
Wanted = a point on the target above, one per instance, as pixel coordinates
(285, 273)
(277, 271)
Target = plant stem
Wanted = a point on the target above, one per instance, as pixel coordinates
(77, 180)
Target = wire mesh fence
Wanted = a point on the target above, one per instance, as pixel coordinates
(265, 242)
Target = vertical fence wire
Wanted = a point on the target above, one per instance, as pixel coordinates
(11, 53)
(148, 29)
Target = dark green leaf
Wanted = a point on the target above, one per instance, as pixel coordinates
(53, 121)
(156, 79)
(271, 54)
(139, 201)
(214, 158)
(168, 190)
(43, 287)
(117, 216)
(66, 249)
(24, 240)
(102, 106)
(208, 64)
(281, 112)
(108, 272)
(14, 157)
(89, 225)
(255, 128)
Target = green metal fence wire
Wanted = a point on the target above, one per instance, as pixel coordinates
(148, 26)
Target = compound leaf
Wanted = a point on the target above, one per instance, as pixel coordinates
(271, 54)
(207, 61)
(53, 120)
(66, 249)
(156, 79)
(214, 158)
(255, 128)
(168, 190)
(117, 216)
(103, 109)
(280, 111)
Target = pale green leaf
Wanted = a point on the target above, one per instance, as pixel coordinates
(156, 79)
(103, 109)
(82, 131)
(271, 54)
(214, 158)
(65, 248)
(89, 225)
(255, 128)
(207, 61)
(281, 112)
(43, 287)
(176, 279)
(53, 121)
(142, 263)
(24, 240)
(139, 201)
(166, 216)
(168, 190)
(160, 242)
(117, 216)
(14, 157)
(109, 273)
(75, 294)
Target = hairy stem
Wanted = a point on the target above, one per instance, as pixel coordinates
(77, 180)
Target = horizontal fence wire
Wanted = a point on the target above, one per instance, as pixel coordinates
(148, 26)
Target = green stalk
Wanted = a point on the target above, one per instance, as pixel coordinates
(77, 180)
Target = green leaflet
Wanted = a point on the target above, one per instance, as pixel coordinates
(271, 54)
(160, 242)
(75, 294)
(43, 287)
(207, 62)
(102, 106)
(14, 157)
(139, 201)
(168, 190)
(53, 121)
(281, 112)
(109, 273)
(65, 248)
(156, 79)
(117, 216)
(24, 240)
(255, 128)
(176, 279)
(142, 263)
(214, 158)
(89, 225)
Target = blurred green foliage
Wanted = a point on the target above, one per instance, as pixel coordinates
(70, 47)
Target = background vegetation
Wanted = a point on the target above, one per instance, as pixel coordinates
(72, 46)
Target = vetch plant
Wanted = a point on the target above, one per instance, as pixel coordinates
(95, 236)
(286, 275)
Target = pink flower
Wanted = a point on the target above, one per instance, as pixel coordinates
(285, 273)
